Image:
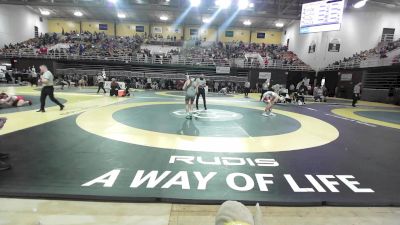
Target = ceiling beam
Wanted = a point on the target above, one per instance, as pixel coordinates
(289, 4)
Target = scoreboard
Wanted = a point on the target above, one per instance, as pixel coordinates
(321, 16)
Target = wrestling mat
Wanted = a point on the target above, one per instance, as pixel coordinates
(141, 148)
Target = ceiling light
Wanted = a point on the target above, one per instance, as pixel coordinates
(223, 4)
(195, 3)
(279, 24)
(113, 1)
(360, 4)
(247, 22)
(251, 5)
(78, 13)
(121, 15)
(206, 20)
(243, 4)
(163, 18)
(45, 12)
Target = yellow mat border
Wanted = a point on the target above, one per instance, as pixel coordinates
(312, 133)
(350, 113)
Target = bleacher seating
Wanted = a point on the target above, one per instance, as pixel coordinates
(372, 57)
(99, 46)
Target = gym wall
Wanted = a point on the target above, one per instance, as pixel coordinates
(167, 30)
(57, 25)
(361, 30)
(94, 26)
(129, 29)
(271, 36)
(17, 24)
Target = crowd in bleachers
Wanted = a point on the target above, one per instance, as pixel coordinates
(99, 44)
(222, 52)
(380, 51)
(86, 43)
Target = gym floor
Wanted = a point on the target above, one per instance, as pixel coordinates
(99, 147)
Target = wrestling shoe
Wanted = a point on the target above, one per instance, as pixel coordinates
(4, 166)
(4, 155)
(41, 110)
(62, 107)
(30, 102)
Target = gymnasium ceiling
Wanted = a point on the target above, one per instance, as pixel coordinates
(264, 14)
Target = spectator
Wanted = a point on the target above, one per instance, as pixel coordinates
(356, 93)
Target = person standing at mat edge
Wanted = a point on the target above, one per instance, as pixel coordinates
(264, 89)
(356, 93)
(100, 82)
(246, 89)
(47, 80)
(201, 85)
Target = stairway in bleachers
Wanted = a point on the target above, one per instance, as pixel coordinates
(382, 80)
(381, 86)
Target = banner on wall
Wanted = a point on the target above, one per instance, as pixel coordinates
(229, 33)
(334, 45)
(174, 30)
(157, 30)
(261, 35)
(139, 28)
(103, 27)
(264, 75)
(311, 48)
(223, 69)
(193, 32)
(346, 77)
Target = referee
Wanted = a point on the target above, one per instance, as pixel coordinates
(48, 89)
(201, 84)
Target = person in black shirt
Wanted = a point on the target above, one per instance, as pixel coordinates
(201, 85)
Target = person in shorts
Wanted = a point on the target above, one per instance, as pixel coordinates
(269, 98)
(190, 89)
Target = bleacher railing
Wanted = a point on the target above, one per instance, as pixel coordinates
(362, 64)
(188, 61)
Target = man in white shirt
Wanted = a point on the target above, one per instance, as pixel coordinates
(100, 83)
(103, 73)
(47, 80)
(356, 93)
(34, 77)
(264, 89)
